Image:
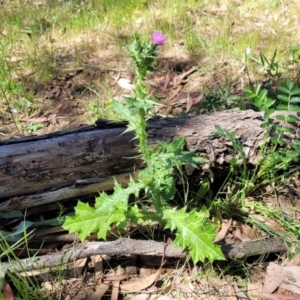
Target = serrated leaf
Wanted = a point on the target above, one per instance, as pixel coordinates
(284, 98)
(281, 129)
(140, 216)
(167, 188)
(269, 112)
(286, 129)
(119, 198)
(295, 100)
(284, 90)
(277, 141)
(175, 147)
(295, 91)
(190, 158)
(108, 209)
(294, 108)
(292, 119)
(85, 221)
(122, 110)
(194, 232)
(290, 85)
(282, 107)
(280, 117)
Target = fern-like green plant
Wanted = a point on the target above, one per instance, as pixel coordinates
(280, 152)
(279, 155)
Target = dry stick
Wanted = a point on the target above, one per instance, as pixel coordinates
(125, 247)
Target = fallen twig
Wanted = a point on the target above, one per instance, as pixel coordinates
(127, 247)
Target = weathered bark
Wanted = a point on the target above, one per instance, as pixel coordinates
(84, 160)
(138, 247)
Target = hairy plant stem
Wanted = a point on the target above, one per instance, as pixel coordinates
(142, 135)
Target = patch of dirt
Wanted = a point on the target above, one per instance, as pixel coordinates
(179, 86)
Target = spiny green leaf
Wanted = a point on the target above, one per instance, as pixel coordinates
(168, 189)
(121, 109)
(140, 216)
(194, 231)
(175, 147)
(119, 198)
(85, 221)
(190, 158)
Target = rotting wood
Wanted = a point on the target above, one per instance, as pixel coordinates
(125, 247)
(79, 188)
(61, 161)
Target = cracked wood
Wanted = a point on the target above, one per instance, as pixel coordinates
(59, 160)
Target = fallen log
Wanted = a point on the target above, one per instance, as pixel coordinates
(125, 247)
(85, 159)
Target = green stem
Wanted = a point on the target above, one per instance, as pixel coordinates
(142, 135)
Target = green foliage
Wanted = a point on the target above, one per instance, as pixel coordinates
(237, 146)
(280, 163)
(195, 232)
(289, 97)
(259, 98)
(271, 67)
(220, 98)
(26, 286)
(144, 56)
(149, 197)
(34, 127)
(108, 210)
(203, 190)
(280, 152)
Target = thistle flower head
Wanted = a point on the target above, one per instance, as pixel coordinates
(158, 38)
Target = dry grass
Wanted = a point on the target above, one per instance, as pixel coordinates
(37, 35)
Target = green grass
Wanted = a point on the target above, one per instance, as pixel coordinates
(38, 34)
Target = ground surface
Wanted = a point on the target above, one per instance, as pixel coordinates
(82, 73)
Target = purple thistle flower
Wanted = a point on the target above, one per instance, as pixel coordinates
(158, 38)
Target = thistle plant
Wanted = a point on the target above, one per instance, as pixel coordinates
(144, 57)
(156, 182)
